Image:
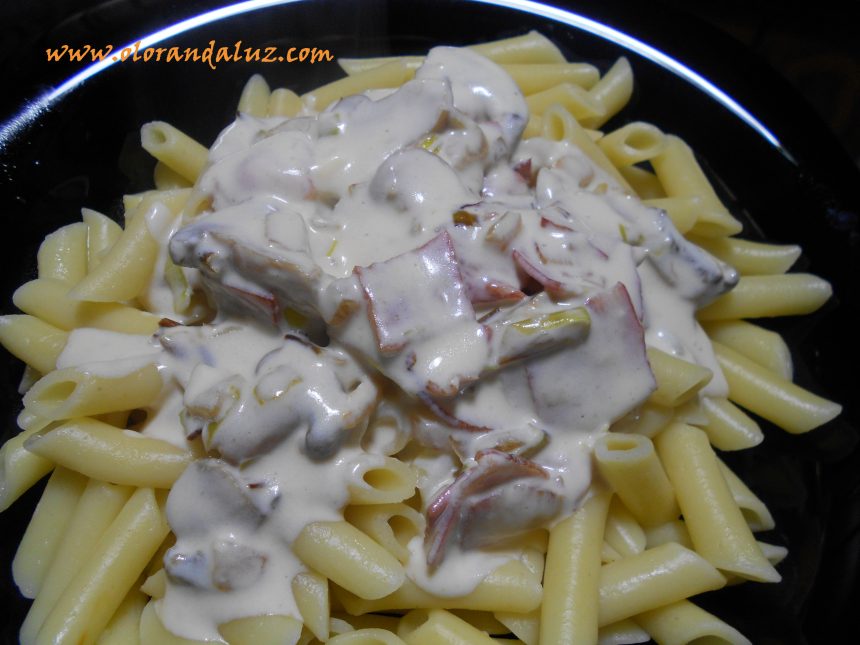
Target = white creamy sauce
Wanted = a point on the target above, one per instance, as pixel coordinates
(397, 274)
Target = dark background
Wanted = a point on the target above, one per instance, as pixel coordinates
(794, 65)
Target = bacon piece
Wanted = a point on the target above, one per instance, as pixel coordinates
(552, 286)
(501, 496)
(601, 379)
(415, 295)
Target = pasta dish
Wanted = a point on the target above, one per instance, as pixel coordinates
(426, 355)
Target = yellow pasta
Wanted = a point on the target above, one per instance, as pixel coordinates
(63, 254)
(630, 466)
(19, 468)
(683, 622)
(110, 454)
(611, 92)
(763, 346)
(124, 626)
(32, 340)
(174, 148)
(389, 482)
(681, 176)
(284, 102)
(73, 392)
(651, 579)
(569, 613)
(312, 599)
(727, 427)
(49, 300)
(764, 393)
(391, 525)
(97, 509)
(255, 97)
(102, 234)
(46, 530)
(752, 258)
(762, 296)
(348, 557)
(97, 590)
(536, 77)
(262, 630)
(677, 380)
(716, 524)
(632, 143)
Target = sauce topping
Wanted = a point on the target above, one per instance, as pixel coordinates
(399, 274)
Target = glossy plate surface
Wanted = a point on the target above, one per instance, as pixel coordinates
(775, 165)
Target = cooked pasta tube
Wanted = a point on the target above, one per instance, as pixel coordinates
(674, 531)
(630, 466)
(532, 47)
(754, 510)
(762, 392)
(124, 625)
(727, 427)
(439, 627)
(752, 258)
(371, 621)
(19, 468)
(482, 620)
(624, 632)
(558, 124)
(125, 270)
(391, 525)
(681, 210)
(97, 508)
(153, 631)
(174, 148)
(63, 254)
(681, 176)
(645, 184)
(390, 481)
(254, 99)
(262, 630)
(576, 100)
(76, 392)
(622, 531)
(155, 586)
(32, 340)
(525, 626)
(651, 579)
(513, 587)
(612, 92)
(49, 300)
(166, 178)
(97, 590)
(102, 234)
(569, 613)
(765, 296)
(677, 380)
(646, 420)
(715, 522)
(348, 557)
(310, 590)
(536, 77)
(119, 456)
(683, 622)
(632, 143)
(284, 102)
(371, 636)
(765, 347)
(46, 530)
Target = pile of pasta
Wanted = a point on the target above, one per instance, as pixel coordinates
(666, 519)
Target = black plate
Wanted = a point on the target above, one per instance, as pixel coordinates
(83, 150)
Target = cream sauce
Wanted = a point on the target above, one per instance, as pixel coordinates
(400, 261)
